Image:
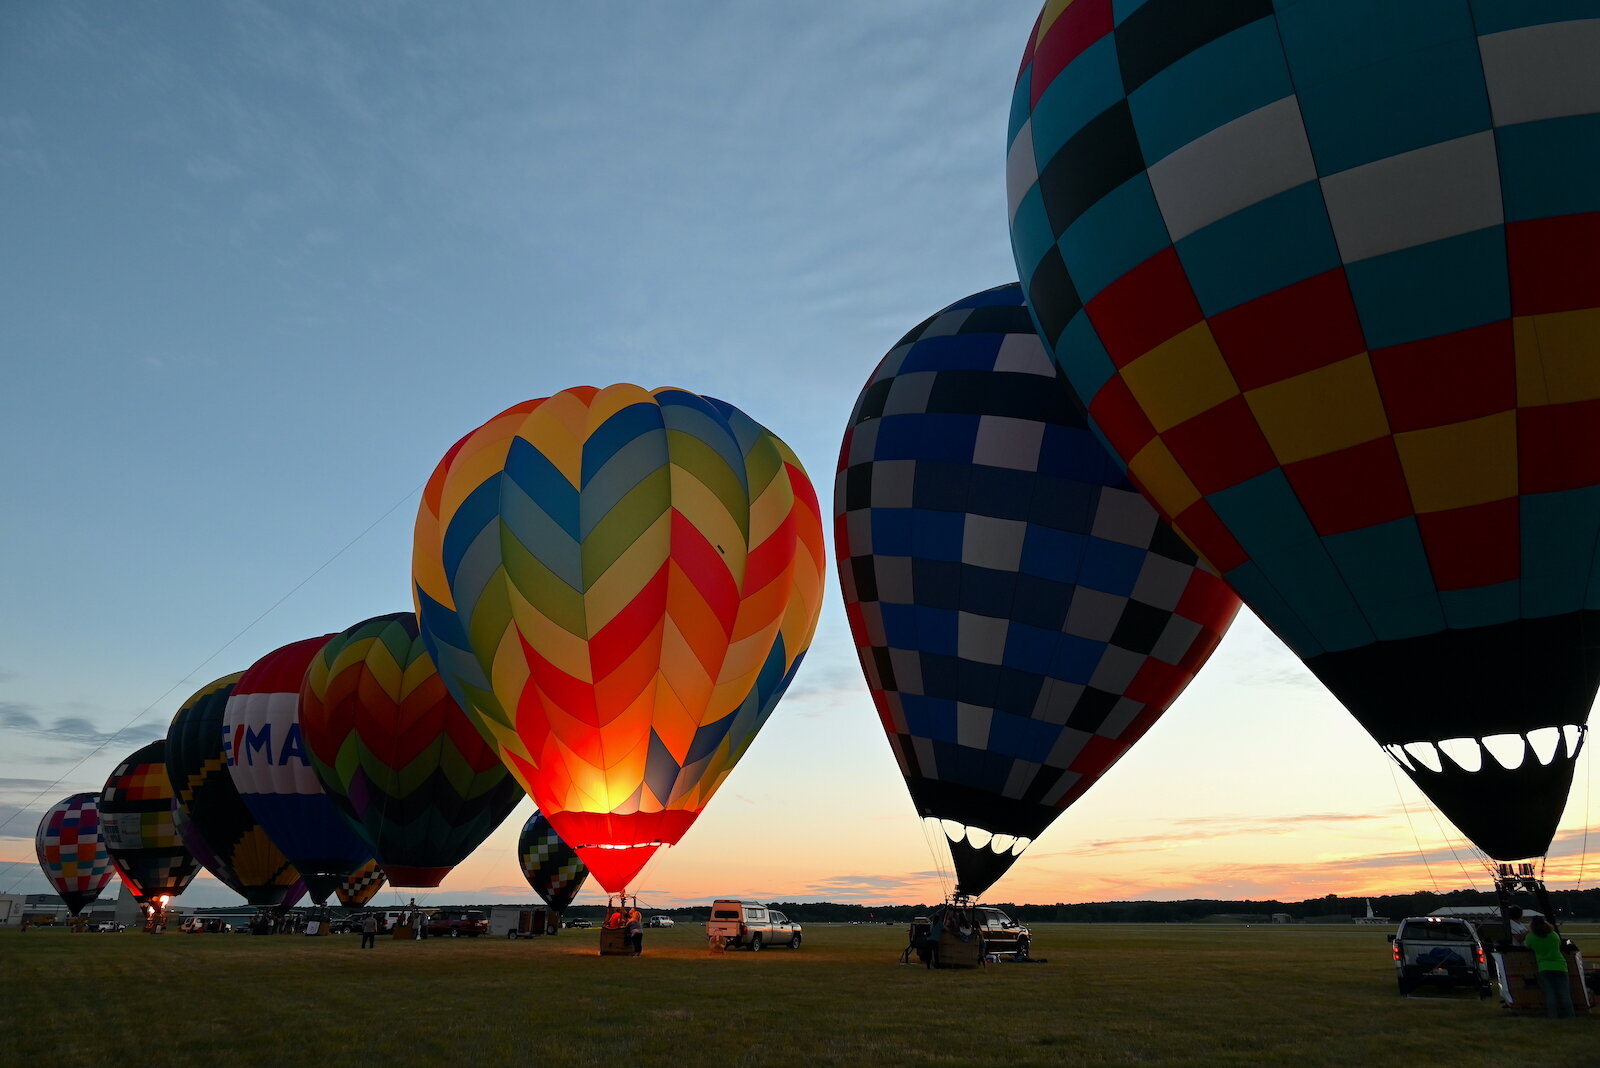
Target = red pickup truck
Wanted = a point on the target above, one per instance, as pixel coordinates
(468, 924)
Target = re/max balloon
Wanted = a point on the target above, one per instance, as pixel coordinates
(1021, 614)
(397, 755)
(217, 825)
(617, 585)
(266, 755)
(136, 807)
(72, 851)
(551, 867)
(1325, 275)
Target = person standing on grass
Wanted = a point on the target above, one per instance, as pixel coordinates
(636, 930)
(369, 931)
(1546, 946)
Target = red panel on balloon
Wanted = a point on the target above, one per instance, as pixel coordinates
(1470, 547)
(1221, 446)
(1353, 488)
(1449, 378)
(1150, 304)
(1557, 448)
(1554, 265)
(1318, 314)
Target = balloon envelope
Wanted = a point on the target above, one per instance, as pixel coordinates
(551, 867)
(219, 828)
(72, 851)
(397, 755)
(1325, 275)
(617, 585)
(1021, 614)
(266, 756)
(136, 807)
(361, 886)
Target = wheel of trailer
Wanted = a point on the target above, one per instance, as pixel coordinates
(755, 943)
(455, 933)
(1022, 947)
(794, 943)
(512, 935)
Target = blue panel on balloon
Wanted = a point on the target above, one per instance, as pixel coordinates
(1076, 658)
(1387, 571)
(1210, 87)
(1263, 512)
(1122, 230)
(1053, 554)
(930, 436)
(929, 717)
(1021, 738)
(1082, 356)
(1079, 93)
(1033, 221)
(1482, 606)
(1496, 16)
(937, 535)
(1234, 260)
(1379, 79)
(1558, 551)
(1257, 590)
(1030, 648)
(1110, 566)
(1437, 288)
(1548, 168)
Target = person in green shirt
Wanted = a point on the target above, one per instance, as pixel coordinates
(1546, 946)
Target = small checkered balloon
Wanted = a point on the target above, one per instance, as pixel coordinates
(1325, 275)
(551, 866)
(72, 851)
(1020, 612)
(136, 817)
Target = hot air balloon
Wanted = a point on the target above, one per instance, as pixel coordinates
(266, 756)
(136, 808)
(396, 754)
(551, 866)
(361, 886)
(1325, 275)
(72, 851)
(617, 585)
(217, 825)
(1021, 614)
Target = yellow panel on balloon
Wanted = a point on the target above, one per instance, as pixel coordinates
(1180, 378)
(1160, 476)
(1462, 464)
(1558, 357)
(1320, 411)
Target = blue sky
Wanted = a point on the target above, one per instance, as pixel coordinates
(265, 262)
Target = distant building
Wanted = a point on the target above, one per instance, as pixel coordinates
(1282, 917)
(1370, 919)
(11, 906)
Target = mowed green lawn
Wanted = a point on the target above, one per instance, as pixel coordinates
(1108, 995)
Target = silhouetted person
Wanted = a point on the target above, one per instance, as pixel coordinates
(1546, 946)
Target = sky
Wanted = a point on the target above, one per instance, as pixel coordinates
(264, 262)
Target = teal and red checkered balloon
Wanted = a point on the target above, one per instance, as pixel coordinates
(1325, 275)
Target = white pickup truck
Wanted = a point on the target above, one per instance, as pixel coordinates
(1439, 951)
(738, 924)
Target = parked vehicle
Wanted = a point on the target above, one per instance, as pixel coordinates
(1002, 934)
(660, 921)
(578, 923)
(1441, 951)
(739, 924)
(468, 924)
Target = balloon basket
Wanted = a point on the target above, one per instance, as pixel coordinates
(615, 940)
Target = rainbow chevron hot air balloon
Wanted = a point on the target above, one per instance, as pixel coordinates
(617, 586)
(395, 753)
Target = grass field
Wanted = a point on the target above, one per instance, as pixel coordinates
(1107, 995)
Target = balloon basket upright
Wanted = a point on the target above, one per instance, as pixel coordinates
(948, 937)
(615, 939)
(1515, 971)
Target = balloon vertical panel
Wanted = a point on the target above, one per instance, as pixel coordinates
(1325, 276)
